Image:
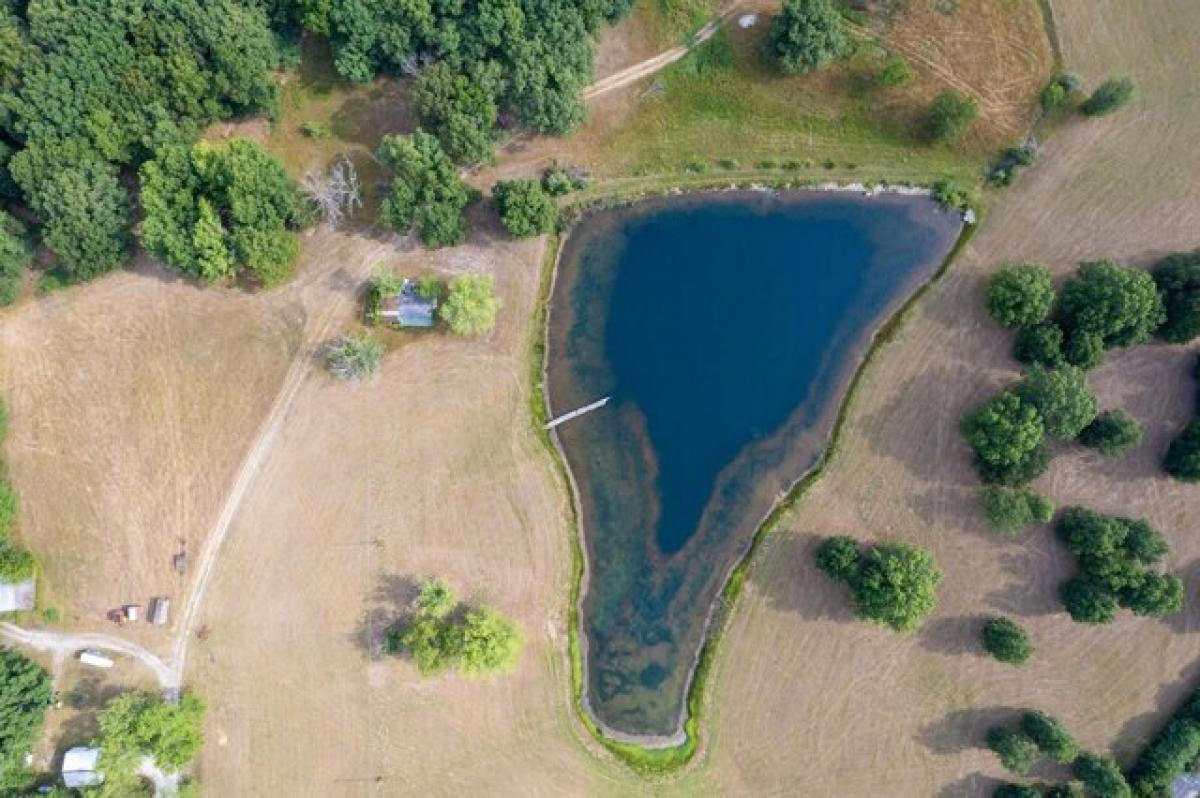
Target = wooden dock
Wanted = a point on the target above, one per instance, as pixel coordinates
(554, 422)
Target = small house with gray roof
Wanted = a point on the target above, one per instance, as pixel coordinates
(407, 308)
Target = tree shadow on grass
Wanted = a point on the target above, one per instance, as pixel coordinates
(976, 785)
(965, 729)
(387, 605)
(1036, 575)
(806, 591)
(955, 637)
(1136, 731)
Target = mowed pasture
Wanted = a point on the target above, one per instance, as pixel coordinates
(802, 690)
(135, 399)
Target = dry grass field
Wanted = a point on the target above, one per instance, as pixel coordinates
(135, 399)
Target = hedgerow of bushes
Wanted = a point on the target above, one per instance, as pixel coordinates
(16, 564)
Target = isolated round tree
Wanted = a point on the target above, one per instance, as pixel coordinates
(471, 305)
(896, 586)
(807, 35)
(950, 115)
(1006, 641)
(1020, 294)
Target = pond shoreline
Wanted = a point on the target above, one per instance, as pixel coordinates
(657, 753)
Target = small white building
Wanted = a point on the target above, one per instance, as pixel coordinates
(17, 596)
(95, 659)
(79, 767)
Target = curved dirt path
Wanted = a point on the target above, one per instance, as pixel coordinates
(651, 65)
(62, 645)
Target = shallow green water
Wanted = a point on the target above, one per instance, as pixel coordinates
(724, 327)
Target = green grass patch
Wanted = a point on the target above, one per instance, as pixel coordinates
(726, 100)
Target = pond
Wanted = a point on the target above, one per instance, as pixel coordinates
(725, 328)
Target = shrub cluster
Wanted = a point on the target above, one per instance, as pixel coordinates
(893, 584)
(444, 634)
(1037, 735)
(1062, 90)
(1011, 160)
(1101, 776)
(1111, 95)
(16, 564)
(1113, 554)
(1006, 641)
(1113, 433)
(15, 254)
(950, 116)
(1009, 510)
(525, 208)
(1104, 305)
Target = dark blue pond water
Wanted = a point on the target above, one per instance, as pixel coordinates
(724, 328)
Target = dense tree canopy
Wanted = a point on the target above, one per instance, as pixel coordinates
(91, 86)
(1101, 776)
(471, 305)
(896, 586)
(1113, 433)
(217, 211)
(15, 254)
(1006, 435)
(1041, 344)
(25, 695)
(426, 192)
(1113, 554)
(1120, 305)
(1006, 641)
(1010, 790)
(1020, 294)
(1062, 398)
(536, 54)
(806, 35)
(1170, 754)
(1178, 280)
(136, 725)
(525, 208)
(459, 109)
(1183, 455)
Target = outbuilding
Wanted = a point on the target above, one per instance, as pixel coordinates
(17, 596)
(160, 611)
(79, 768)
(95, 659)
(407, 308)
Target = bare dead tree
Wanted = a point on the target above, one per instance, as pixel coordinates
(337, 193)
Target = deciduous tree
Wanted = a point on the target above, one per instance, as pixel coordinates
(806, 35)
(1120, 305)
(1178, 280)
(1113, 433)
(1006, 641)
(471, 305)
(525, 208)
(1020, 294)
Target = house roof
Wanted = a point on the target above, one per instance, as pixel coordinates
(17, 595)
(79, 767)
(408, 308)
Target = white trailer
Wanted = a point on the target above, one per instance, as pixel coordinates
(95, 659)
